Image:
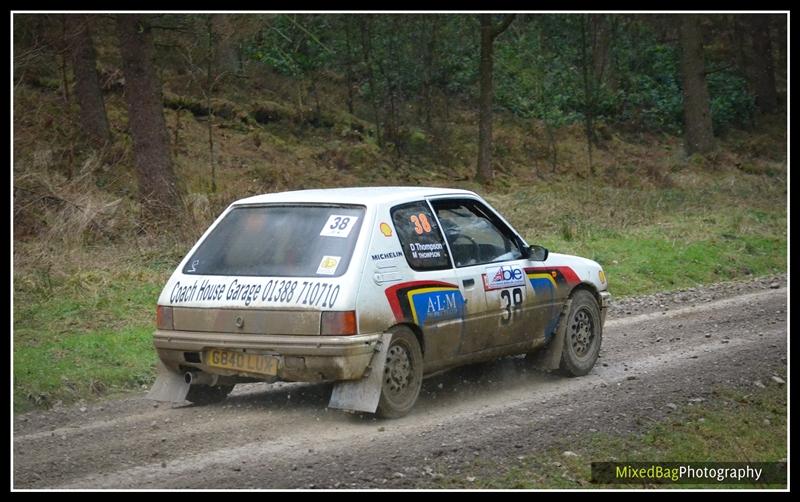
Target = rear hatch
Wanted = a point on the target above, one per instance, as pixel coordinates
(267, 269)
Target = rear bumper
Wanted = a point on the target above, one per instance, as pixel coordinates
(301, 358)
(605, 301)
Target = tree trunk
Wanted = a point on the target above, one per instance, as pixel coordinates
(94, 121)
(763, 65)
(588, 92)
(349, 65)
(226, 58)
(601, 43)
(551, 140)
(489, 32)
(392, 119)
(485, 171)
(158, 185)
(698, 131)
(738, 41)
(427, 82)
(63, 65)
(366, 43)
(742, 55)
(209, 90)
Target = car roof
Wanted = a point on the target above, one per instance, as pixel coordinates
(361, 195)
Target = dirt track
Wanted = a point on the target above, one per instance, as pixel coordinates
(670, 348)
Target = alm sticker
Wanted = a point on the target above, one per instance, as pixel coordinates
(503, 277)
(386, 230)
(338, 226)
(328, 265)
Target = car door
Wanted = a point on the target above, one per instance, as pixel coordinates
(490, 268)
(432, 299)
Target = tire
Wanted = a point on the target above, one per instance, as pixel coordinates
(207, 394)
(583, 336)
(402, 375)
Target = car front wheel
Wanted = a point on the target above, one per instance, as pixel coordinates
(583, 335)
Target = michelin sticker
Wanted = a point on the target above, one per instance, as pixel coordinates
(503, 277)
(328, 265)
(338, 226)
(386, 256)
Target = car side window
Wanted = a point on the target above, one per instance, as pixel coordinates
(420, 236)
(474, 233)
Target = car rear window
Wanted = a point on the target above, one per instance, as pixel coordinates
(281, 241)
(420, 237)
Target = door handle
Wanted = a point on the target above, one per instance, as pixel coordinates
(468, 283)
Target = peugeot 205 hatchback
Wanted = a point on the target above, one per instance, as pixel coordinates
(371, 288)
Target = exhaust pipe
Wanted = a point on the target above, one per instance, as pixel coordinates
(200, 378)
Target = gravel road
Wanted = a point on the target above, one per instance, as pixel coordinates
(660, 353)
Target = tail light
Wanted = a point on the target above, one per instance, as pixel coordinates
(164, 317)
(338, 323)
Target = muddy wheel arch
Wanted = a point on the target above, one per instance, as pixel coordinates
(416, 329)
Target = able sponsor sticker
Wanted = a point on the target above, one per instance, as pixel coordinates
(338, 226)
(328, 265)
(503, 277)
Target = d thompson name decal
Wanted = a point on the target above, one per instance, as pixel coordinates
(425, 302)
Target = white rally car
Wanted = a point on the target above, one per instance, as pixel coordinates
(371, 288)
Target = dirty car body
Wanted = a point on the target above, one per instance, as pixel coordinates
(372, 288)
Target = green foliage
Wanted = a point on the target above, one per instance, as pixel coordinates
(539, 66)
(293, 44)
(650, 90)
(538, 75)
(532, 81)
(457, 55)
(731, 104)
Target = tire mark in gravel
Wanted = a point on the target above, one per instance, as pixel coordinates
(166, 412)
(287, 450)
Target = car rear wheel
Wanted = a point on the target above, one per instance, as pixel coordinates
(402, 375)
(208, 394)
(583, 336)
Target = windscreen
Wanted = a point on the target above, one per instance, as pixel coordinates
(282, 241)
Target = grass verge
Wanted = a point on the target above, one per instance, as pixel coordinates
(733, 427)
(84, 330)
(702, 230)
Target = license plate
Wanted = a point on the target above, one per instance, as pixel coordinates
(241, 361)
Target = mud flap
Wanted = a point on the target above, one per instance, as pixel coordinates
(550, 358)
(363, 394)
(169, 386)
